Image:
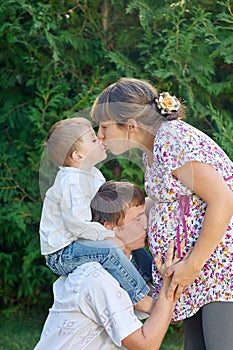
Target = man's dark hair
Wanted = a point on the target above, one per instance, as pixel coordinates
(113, 199)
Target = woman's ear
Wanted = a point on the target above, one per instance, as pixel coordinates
(132, 125)
(76, 157)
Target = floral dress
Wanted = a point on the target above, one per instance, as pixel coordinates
(178, 213)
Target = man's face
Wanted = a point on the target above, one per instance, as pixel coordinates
(133, 230)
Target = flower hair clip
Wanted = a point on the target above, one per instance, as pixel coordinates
(167, 103)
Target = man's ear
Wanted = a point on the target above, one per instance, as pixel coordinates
(76, 157)
(108, 225)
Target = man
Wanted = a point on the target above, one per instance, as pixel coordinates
(91, 311)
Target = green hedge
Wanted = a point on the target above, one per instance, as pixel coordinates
(55, 59)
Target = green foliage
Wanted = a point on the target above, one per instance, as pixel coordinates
(179, 51)
(224, 130)
(55, 59)
(126, 167)
(42, 73)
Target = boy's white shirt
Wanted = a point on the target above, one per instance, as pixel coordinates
(66, 214)
(90, 311)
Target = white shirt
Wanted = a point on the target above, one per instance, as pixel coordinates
(90, 311)
(66, 213)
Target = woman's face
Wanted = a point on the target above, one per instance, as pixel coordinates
(113, 137)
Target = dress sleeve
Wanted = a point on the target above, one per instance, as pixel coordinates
(178, 143)
(110, 306)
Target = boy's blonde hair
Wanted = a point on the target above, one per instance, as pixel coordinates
(65, 137)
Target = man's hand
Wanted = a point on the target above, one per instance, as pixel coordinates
(163, 268)
(183, 274)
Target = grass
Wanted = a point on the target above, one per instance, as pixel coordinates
(174, 338)
(22, 332)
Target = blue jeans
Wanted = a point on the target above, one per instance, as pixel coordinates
(110, 256)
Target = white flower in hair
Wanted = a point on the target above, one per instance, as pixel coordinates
(167, 103)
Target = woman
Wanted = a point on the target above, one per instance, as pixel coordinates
(190, 180)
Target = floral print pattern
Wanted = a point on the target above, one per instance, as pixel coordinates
(177, 143)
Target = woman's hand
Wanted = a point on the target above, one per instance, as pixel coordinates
(183, 274)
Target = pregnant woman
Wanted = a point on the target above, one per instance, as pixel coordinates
(190, 180)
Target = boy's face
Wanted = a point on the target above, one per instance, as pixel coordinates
(92, 150)
(133, 230)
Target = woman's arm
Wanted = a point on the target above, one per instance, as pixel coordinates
(208, 184)
(148, 205)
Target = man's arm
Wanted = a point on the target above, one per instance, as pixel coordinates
(151, 334)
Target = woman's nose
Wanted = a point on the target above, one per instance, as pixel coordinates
(100, 134)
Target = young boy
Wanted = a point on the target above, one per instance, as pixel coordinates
(68, 237)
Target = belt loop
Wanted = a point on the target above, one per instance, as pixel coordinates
(184, 207)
